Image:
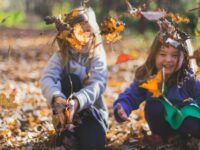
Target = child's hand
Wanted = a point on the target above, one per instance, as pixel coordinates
(60, 104)
(122, 114)
(187, 100)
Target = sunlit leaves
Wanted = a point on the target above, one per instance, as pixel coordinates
(110, 29)
(82, 36)
(177, 18)
(77, 37)
(69, 16)
(152, 85)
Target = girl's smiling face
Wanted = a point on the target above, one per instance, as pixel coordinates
(170, 58)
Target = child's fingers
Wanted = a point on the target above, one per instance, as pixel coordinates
(122, 114)
(187, 100)
(119, 107)
(61, 118)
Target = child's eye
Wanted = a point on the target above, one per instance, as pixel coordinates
(175, 56)
(162, 54)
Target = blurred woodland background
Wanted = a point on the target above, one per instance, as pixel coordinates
(26, 45)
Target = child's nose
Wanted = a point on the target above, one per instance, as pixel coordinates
(168, 58)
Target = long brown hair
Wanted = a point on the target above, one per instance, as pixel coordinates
(148, 69)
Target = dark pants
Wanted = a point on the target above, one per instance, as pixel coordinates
(90, 134)
(155, 116)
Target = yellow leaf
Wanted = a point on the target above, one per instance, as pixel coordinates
(5, 102)
(73, 42)
(134, 54)
(110, 29)
(43, 112)
(4, 132)
(152, 84)
(82, 36)
(177, 18)
(110, 37)
(51, 132)
(75, 12)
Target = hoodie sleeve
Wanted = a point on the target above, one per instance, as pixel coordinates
(130, 99)
(95, 86)
(196, 90)
(50, 81)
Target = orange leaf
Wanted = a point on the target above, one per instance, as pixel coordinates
(152, 84)
(178, 19)
(123, 58)
(71, 15)
(81, 36)
(4, 132)
(43, 112)
(67, 114)
(110, 29)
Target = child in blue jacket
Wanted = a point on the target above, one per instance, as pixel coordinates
(76, 78)
(182, 88)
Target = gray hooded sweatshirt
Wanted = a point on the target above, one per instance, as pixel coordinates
(93, 89)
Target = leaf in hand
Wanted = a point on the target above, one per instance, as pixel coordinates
(68, 115)
(69, 112)
(152, 85)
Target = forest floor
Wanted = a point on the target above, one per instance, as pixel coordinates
(27, 125)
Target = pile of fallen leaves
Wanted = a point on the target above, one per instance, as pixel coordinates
(25, 118)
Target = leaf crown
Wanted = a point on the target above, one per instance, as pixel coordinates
(170, 35)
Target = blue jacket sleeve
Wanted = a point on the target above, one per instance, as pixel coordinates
(196, 90)
(130, 99)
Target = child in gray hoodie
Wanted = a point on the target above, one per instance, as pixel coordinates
(75, 80)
